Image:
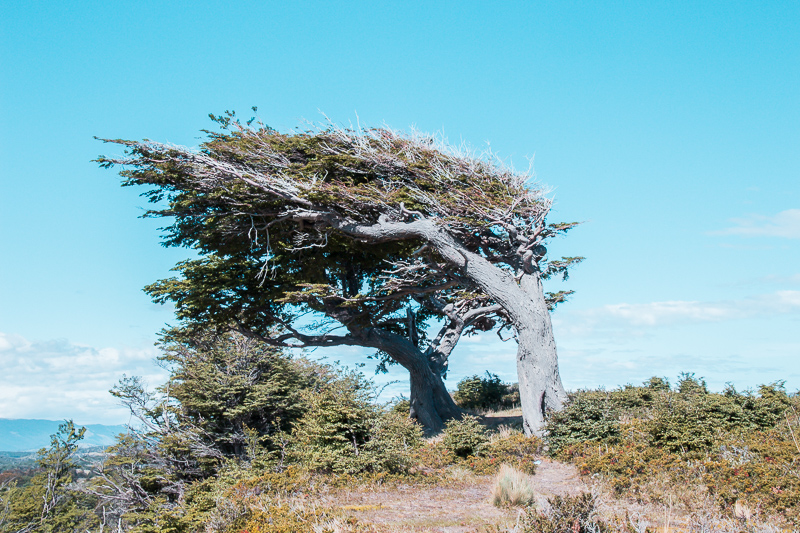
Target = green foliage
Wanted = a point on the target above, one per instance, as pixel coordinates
(682, 444)
(265, 212)
(402, 406)
(465, 437)
(688, 384)
(688, 419)
(512, 448)
(234, 390)
(477, 392)
(587, 417)
(343, 431)
(48, 502)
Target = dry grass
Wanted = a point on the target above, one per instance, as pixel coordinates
(464, 503)
(459, 474)
(504, 431)
(512, 488)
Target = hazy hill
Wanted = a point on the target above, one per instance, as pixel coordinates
(19, 435)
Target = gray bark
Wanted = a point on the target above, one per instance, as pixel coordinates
(431, 404)
(540, 385)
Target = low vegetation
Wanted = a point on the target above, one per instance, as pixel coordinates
(678, 447)
(244, 438)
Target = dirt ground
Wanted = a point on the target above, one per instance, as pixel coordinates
(462, 505)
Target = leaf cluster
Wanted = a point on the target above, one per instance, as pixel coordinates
(48, 502)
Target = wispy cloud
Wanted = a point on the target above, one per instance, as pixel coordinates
(58, 379)
(785, 224)
(611, 367)
(793, 279)
(668, 313)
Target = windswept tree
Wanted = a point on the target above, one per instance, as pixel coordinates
(376, 231)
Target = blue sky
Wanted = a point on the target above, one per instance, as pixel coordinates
(671, 128)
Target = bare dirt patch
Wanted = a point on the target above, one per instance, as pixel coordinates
(456, 506)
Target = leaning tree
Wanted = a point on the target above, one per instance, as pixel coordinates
(385, 219)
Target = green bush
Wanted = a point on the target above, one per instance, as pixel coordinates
(394, 439)
(343, 431)
(48, 501)
(512, 448)
(488, 392)
(587, 417)
(402, 406)
(227, 386)
(465, 437)
(651, 443)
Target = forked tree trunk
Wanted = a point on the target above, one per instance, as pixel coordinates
(431, 404)
(537, 362)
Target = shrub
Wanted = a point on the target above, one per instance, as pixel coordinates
(688, 384)
(575, 514)
(465, 437)
(48, 500)
(342, 431)
(511, 397)
(587, 417)
(657, 384)
(394, 439)
(225, 385)
(510, 447)
(512, 487)
(402, 406)
(332, 433)
(433, 456)
(488, 392)
(686, 444)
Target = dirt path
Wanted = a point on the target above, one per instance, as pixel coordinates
(462, 504)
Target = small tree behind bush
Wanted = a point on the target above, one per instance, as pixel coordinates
(489, 392)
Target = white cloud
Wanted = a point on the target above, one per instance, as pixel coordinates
(57, 379)
(657, 314)
(785, 224)
(793, 279)
(608, 366)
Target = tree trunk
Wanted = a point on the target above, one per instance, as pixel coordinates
(431, 404)
(540, 387)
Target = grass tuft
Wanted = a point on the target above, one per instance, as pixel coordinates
(512, 488)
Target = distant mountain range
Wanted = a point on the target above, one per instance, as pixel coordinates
(22, 435)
